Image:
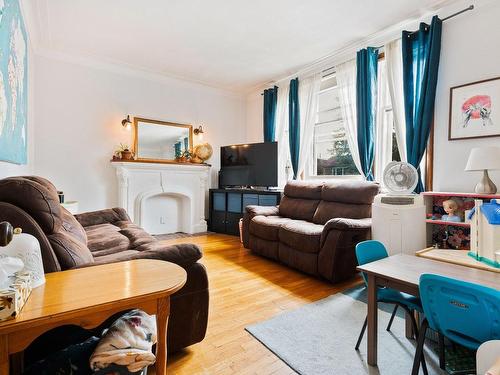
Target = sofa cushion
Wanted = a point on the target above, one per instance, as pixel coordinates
(297, 208)
(303, 189)
(105, 239)
(352, 191)
(329, 210)
(305, 262)
(267, 227)
(69, 250)
(301, 235)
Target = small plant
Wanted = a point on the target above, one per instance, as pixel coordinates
(123, 152)
(122, 147)
(187, 154)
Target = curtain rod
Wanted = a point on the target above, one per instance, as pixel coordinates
(470, 7)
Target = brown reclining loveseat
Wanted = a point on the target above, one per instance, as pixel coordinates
(315, 228)
(105, 236)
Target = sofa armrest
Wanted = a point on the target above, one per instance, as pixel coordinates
(110, 215)
(341, 223)
(262, 210)
(183, 255)
(252, 211)
(337, 258)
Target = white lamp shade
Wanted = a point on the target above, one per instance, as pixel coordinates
(482, 158)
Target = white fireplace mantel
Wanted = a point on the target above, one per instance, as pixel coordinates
(185, 183)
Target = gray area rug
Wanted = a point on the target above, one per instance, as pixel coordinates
(319, 338)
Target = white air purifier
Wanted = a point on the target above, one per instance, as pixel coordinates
(398, 217)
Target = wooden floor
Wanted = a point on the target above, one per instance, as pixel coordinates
(244, 289)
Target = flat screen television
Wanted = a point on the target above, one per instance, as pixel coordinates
(246, 165)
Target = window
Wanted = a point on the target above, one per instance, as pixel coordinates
(332, 156)
(331, 153)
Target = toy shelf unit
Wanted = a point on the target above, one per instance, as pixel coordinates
(451, 231)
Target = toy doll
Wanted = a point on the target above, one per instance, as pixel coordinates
(450, 207)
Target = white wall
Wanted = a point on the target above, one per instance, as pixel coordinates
(469, 52)
(254, 117)
(79, 109)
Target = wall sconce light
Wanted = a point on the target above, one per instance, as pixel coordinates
(198, 131)
(126, 123)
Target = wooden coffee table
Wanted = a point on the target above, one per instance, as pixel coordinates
(88, 296)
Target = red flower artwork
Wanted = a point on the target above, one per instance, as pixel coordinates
(477, 107)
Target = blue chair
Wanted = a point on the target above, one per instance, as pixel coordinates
(467, 314)
(371, 251)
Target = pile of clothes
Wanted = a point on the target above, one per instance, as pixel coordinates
(124, 348)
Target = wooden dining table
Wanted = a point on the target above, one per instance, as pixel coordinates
(402, 272)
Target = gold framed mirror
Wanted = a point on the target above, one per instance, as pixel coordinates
(161, 141)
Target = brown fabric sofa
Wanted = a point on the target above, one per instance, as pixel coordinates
(105, 236)
(315, 228)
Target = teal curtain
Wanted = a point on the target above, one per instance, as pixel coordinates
(294, 125)
(421, 50)
(366, 107)
(186, 144)
(270, 102)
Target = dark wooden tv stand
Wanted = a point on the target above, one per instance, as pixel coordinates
(227, 206)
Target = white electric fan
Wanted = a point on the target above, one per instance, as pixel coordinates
(400, 178)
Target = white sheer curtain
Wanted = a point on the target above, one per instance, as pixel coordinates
(394, 61)
(284, 164)
(383, 127)
(308, 102)
(346, 81)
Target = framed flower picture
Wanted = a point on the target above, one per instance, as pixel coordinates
(475, 110)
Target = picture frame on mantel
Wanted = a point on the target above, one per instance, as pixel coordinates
(475, 110)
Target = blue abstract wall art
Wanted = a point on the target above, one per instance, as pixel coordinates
(13, 84)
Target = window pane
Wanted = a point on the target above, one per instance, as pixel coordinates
(332, 156)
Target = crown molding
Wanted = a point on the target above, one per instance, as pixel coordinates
(121, 68)
(381, 37)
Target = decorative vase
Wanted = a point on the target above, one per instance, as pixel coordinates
(27, 248)
(127, 155)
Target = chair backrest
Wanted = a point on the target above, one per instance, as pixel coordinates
(464, 312)
(370, 251)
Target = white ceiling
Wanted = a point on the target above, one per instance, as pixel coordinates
(231, 44)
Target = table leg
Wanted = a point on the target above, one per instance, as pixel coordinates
(409, 331)
(408, 327)
(4, 354)
(17, 363)
(372, 320)
(162, 312)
